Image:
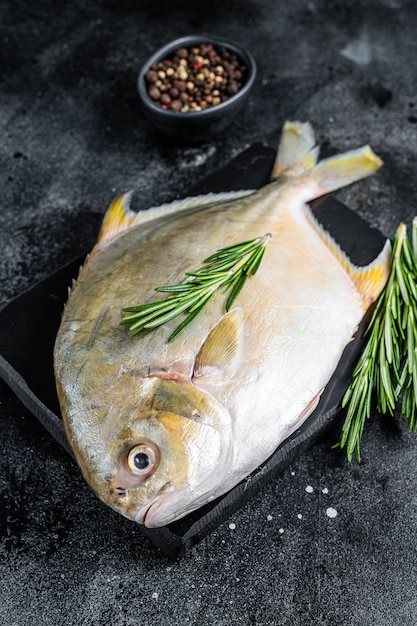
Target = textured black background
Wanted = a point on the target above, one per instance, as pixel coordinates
(73, 136)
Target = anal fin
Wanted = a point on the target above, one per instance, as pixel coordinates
(370, 279)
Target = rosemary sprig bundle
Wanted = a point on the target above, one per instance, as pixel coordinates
(385, 376)
(228, 268)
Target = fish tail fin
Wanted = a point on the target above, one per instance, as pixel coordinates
(370, 279)
(298, 154)
(344, 169)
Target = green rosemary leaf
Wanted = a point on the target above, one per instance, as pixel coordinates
(354, 435)
(183, 288)
(238, 286)
(192, 315)
(413, 289)
(414, 238)
(385, 372)
(141, 321)
(410, 342)
(401, 284)
(200, 304)
(144, 319)
(252, 264)
(140, 308)
(211, 279)
(173, 312)
(407, 253)
(257, 262)
(388, 336)
(240, 248)
(140, 333)
(211, 270)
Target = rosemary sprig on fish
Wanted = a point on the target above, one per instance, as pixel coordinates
(386, 373)
(228, 268)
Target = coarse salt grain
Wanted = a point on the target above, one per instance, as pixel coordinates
(325, 490)
(309, 489)
(331, 512)
(232, 526)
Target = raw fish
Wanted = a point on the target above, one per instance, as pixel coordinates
(160, 428)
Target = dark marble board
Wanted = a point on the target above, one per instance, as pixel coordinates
(29, 323)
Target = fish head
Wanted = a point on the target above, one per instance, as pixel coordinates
(168, 456)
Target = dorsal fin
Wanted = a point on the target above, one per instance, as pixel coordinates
(219, 356)
(119, 216)
(370, 279)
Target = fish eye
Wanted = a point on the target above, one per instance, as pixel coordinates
(142, 459)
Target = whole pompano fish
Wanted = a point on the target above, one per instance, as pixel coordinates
(160, 428)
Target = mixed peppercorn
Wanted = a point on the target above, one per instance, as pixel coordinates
(195, 78)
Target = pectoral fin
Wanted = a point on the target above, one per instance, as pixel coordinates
(220, 354)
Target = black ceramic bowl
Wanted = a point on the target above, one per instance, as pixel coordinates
(197, 126)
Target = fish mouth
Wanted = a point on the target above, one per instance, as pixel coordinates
(146, 514)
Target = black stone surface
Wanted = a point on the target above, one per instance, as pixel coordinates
(73, 137)
(30, 322)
